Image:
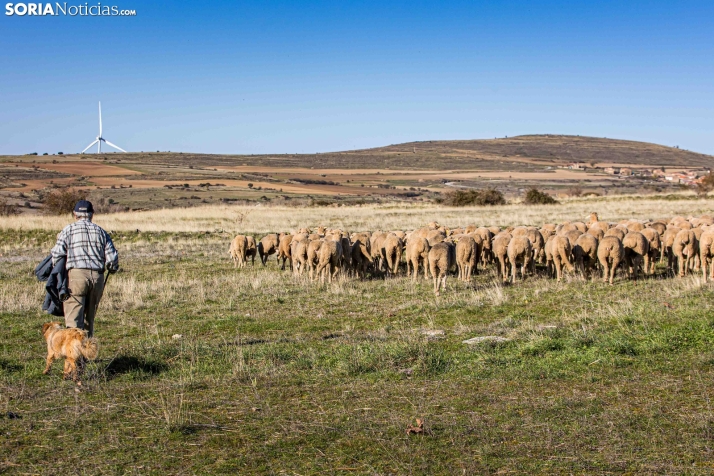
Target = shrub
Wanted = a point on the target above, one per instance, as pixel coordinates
(60, 153)
(7, 209)
(462, 198)
(62, 202)
(536, 197)
(706, 185)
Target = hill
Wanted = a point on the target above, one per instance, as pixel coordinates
(415, 171)
(523, 152)
(558, 149)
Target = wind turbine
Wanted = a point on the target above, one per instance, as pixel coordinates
(99, 138)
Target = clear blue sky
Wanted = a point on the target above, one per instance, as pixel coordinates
(265, 76)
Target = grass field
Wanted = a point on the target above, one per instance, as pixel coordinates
(204, 369)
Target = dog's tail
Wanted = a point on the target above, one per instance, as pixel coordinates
(89, 348)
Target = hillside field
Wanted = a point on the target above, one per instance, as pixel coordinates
(415, 172)
(208, 369)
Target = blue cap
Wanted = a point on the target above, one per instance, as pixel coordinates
(84, 206)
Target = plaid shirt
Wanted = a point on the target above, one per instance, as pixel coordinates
(86, 246)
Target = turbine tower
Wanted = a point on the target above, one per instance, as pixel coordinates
(99, 138)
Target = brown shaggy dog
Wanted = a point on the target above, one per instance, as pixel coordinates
(71, 344)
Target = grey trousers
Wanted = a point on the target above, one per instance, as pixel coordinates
(86, 288)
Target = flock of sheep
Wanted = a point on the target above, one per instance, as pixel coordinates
(687, 244)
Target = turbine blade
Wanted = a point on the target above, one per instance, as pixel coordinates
(90, 145)
(100, 118)
(109, 143)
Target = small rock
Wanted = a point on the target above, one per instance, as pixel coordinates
(478, 340)
(176, 336)
(13, 416)
(436, 333)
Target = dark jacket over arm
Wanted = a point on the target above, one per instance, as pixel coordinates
(56, 286)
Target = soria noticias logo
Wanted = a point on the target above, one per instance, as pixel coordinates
(63, 9)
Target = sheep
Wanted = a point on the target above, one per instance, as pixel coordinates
(636, 253)
(659, 226)
(548, 252)
(346, 254)
(565, 228)
(435, 236)
(683, 224)
(667, 242)
(329, 256)
(697, 234)
(417, 252)
(268, 245)
(251, 249)
(597, 232)
(313, 248)
(301, 236)
(361, 254)
(635, 226)
(580, 226)
(572, 237)
(391, 253)
(401, 235)
(419, 233)
(601, 225)
(537, 245)
(376, 243)
(706, 253)
(500, 252)
(486, 236)
(284, 250)
(585, 252)
(237, 250)
(519, 250)
(298, 253)
(441, 260)
(478, 239)
(655, 247)
(466, 257)
(610, 253)
(562, 255)
(546, 233)
(618, 232)
(684, 248)
(550, 228)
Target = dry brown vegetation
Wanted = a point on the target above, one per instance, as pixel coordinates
(264, 219)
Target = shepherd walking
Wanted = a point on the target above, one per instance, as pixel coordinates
(88, 250)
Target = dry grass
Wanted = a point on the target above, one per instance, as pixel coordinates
(263, 219)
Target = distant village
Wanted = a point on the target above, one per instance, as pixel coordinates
(661, 174)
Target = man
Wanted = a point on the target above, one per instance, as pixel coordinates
(88, 249)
